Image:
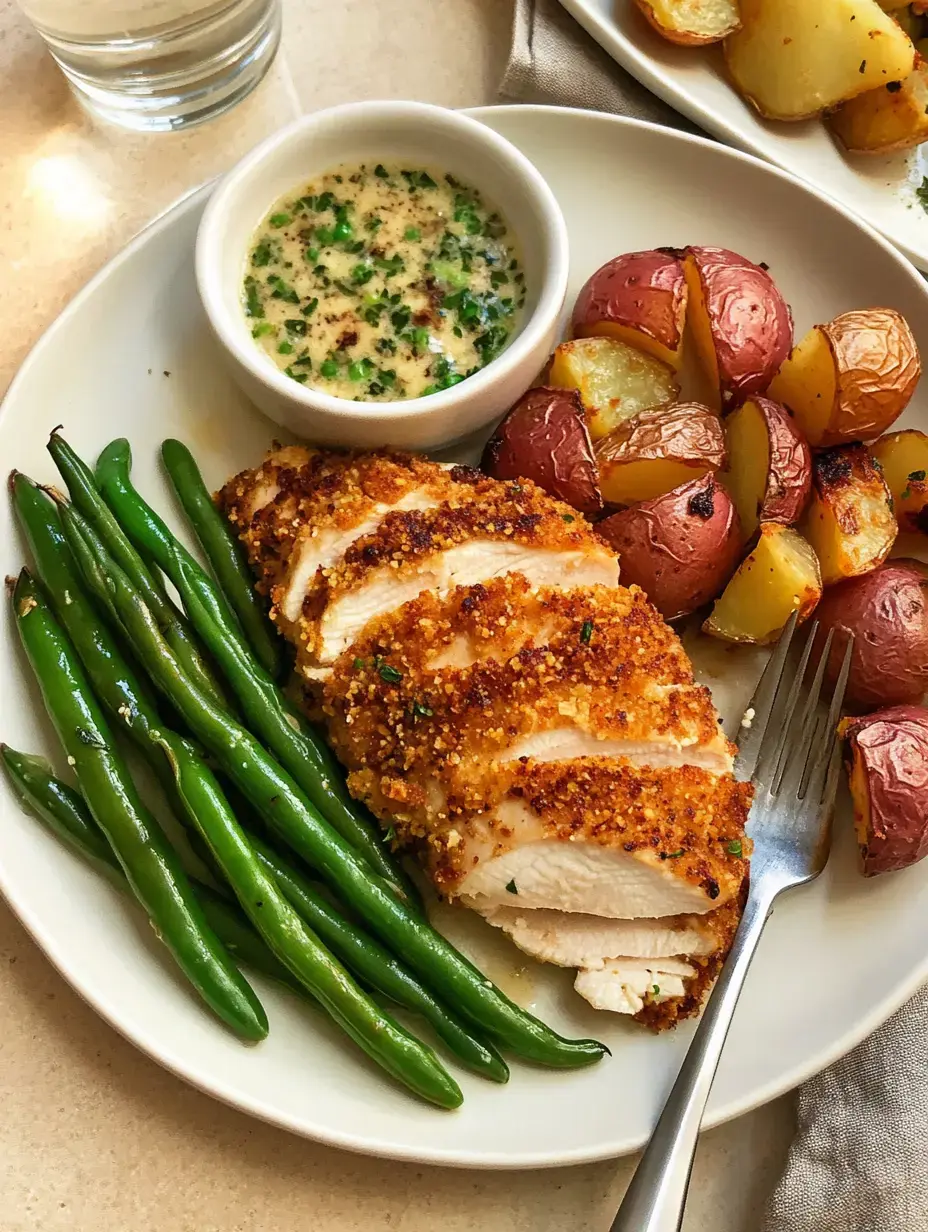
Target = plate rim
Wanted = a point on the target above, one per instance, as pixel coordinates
(148, 1043)
(640, 65)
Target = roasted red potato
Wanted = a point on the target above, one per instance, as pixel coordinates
(887, 760)
(780, 576)
(689, 24)
(545, 438)
(769, 469)
(892, 117)
(904, 459)
(681, 548)
(658, 451)
(850, 520)
(615, 381)
(887, 611)
(850, 379)
(740, 322)
(638, 298)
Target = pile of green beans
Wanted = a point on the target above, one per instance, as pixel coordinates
(101, 634)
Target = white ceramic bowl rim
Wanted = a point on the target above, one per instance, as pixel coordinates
(550, 293)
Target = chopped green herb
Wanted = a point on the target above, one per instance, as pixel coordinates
(921, 193)
(253, 305)
(311, 254)
(734, 847)
(280, 220)
(281, 290)
(672, 855)
(916, 476)
(418, 179)
(512, 888)
(261, 329)
(300, 377)
(285, 348)
(294, 325)
(360, 369)
(400, 319)
(420, 710)
(361, 273)
(308, 309)
(262, 254)
(389, 675)
(905, 493)
(586, 632)
(358, 664)
(412, 233)
(656, 989)
(568, 517)
(381, 172)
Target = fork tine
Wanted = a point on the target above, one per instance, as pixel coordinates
(822, 747)
(785, 719)
(751, 739)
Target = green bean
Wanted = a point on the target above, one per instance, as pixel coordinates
(377, 967)
(297, 946)
(148, 860)
(63, 810)
(290, 815)
(224, 553)
(267, 711)
(126, 699)
(80, 483)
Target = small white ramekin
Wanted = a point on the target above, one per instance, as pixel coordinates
(421, 136)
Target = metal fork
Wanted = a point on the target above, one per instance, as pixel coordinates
(789, 746)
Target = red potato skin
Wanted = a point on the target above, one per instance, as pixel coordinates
(545, 438)
(789, 475)
(680, 548)
(887, 611)
(751, 323)
(888, 756)
(640, 291)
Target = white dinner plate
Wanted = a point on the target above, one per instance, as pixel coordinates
(131, 355)
(693, 81)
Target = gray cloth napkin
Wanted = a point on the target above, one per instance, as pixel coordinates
(859, 1161)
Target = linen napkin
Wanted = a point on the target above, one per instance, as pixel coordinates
(859, 1161)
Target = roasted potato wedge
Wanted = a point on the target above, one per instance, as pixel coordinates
(639, 298)
(692, 22)
(681, 548)
(769, 471)
(887, 760)
(780, 576)
(658, 451)
(904, 459)
(795, 58)
(615, 381)
(887, 612)
(892, 117)
(740, 322)
(850, 521)
(850, 379)
(545, 438)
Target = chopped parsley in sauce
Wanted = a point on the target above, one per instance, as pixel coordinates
(380, 283)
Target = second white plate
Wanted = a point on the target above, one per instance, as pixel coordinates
(693, 81)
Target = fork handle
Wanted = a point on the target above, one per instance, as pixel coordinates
(656, 1197)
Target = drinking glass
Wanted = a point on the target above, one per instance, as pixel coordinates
(159, 64)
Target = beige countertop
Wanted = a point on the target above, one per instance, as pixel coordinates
(94, 1137)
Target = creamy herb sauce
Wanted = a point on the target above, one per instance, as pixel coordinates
(378, 283)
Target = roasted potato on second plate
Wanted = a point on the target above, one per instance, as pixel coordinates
(887, 612)
(639, 298)
(850, 521)
(545, 438)
(615, 381)
(795, 58)
(780, 576)
(681, 548)
(850, 379)
(740, 322)
(659, 450)
(887, 759)
(904, 459)
(769, 470)
(892, 117)
(692, 22)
